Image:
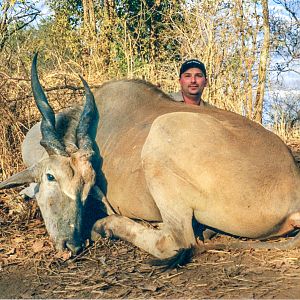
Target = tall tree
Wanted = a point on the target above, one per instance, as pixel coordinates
(263, 64)
(89, 20)
(285, 30)
(108, 28)
(148, 24)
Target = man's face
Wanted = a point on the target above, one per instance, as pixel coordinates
(192, 82)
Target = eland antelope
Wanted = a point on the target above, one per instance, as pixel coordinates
(144, 157)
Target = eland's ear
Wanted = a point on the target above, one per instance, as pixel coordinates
(26, 176)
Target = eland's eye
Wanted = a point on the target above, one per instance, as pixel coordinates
(50, 177)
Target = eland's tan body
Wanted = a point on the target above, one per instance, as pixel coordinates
(158, 160)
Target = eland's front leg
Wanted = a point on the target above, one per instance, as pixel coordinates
(172, 243)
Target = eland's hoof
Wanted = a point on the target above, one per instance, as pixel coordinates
(100, 230)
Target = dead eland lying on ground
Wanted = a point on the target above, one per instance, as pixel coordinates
(145, 157)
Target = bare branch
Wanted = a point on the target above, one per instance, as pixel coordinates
(21, 16)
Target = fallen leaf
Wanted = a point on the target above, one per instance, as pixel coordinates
(11, 251)
(12, 257)
(18, 240)
(4, 262)
(145, 269)
(64, 255)
(130, 269)
(122, 251)
(149, 287)
(38, 246)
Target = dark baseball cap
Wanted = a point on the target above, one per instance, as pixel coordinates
(192, 63)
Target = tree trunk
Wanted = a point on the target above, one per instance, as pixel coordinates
(3, 24)
(89, 18)
(263, 64)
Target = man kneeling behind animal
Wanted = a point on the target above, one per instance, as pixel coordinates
(192, 80)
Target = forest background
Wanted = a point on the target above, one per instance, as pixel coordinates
(250, 47)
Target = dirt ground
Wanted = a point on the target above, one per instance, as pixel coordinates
(31, 268)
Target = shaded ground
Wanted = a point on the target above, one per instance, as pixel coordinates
(31, 268)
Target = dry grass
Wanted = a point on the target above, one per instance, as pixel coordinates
(19, 113)
(293, 141)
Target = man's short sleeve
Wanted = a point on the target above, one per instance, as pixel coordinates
(176, 96)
